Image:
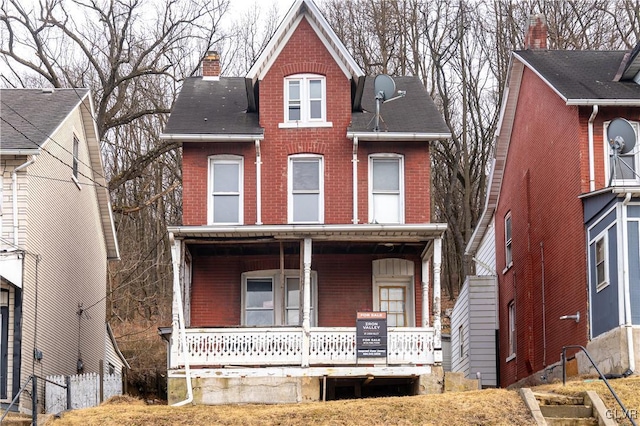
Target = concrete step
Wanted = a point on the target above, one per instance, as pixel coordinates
(568, 421)
(570, 411)
(555, 399)
(17, 420)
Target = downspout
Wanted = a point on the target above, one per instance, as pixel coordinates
(177, 297)
(258, 184)
(14, 190)
(544, 310)
(627, 295)
(592, 181)
(354, 162)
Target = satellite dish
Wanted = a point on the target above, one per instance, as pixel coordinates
(621, 136)
(384, 87)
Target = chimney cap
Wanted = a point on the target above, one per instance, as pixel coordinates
(213, 55)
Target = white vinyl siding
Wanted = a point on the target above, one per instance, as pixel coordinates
(386, 188)
(225, 189)
(306, 188)
(485, 258)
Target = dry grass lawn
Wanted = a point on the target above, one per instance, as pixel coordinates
(487, 407)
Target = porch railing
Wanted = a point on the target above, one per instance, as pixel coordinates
(284, 346)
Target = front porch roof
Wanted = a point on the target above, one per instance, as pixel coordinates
(364, 232)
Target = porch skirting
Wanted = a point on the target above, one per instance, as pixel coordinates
(278, 385)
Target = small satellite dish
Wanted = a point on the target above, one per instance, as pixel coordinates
(384, 87)
(621, 136)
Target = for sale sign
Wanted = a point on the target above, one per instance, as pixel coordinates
(371, 334)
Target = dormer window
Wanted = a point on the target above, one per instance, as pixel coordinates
(305, 101)
(623, 159)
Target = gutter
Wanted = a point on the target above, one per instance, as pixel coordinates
(14, 190)
(626, 290)
(177, 297)
(200, 137)
(397, 136)
(592, 181)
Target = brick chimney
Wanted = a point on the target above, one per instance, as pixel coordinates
(536, 37)
(211, 65)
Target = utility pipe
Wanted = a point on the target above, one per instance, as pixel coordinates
(14, 190)
(544, 310)
(592, 181)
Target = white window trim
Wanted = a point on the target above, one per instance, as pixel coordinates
(508, 243)
(75, 159)
(599, 286)
(401, 200)
(225, 159)
(607, 156)
(305, 120)
(280, 294)
(402, 281)
(291, 159)
(512, 329)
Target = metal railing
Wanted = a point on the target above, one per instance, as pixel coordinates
(34, 398)
(626, 412)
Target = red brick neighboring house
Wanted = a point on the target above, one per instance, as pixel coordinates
(566, 210)
(297, 215)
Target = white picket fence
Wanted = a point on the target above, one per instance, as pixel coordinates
(84, 390)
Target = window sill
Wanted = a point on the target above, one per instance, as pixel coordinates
(76, 181)
(304, 124)
(510, 358)
(602, 286)
(506, 269)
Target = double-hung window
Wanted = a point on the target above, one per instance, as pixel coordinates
(512, 330)
(305, 101)
(602, 265)
(265, 303)
(225, 189)
(76, 149)
(386, 188)
(507, 240)
(306, 187)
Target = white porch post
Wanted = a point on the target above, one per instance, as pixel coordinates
(437, 324)
(306, 310)
(425, 292)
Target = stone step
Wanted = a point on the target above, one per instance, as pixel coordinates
(555, 399)
(566, 411)
(568, 421)
(17, 420)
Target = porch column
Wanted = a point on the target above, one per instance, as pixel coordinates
(425, 292)
(437, 324)
(306, 309)
(177, 316)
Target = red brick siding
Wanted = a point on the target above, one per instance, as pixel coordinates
(543, 178)
(344, 287)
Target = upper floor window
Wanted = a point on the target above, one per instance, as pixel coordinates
(507, 240)
(225, 189)
(623, 165)
(305, 101)
(306, 187)
(386, 188)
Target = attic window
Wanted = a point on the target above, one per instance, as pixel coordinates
(305, 101)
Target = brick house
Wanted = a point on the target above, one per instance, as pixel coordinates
(566, 211)
(297, 216)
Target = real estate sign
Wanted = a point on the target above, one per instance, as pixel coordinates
(371, 334)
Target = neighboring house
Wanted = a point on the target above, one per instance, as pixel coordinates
(474, 320)
(298, 215)
(56, 236)
(566, 209)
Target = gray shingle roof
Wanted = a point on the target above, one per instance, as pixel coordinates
(582, 74)
(209, 107)
(414, 113)
(29, 116)
(212, 107)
